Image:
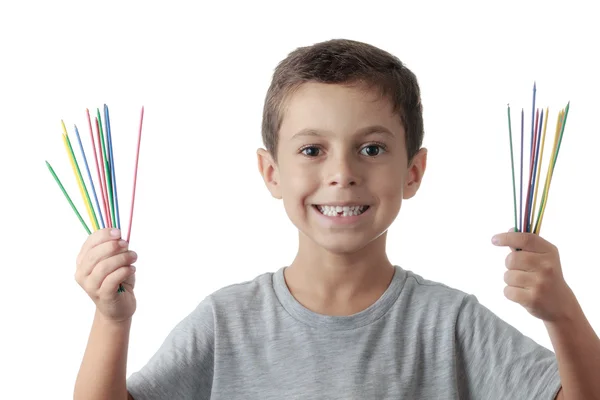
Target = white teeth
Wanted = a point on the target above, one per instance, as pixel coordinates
(339, 211)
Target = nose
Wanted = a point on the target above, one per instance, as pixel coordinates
(343, 172)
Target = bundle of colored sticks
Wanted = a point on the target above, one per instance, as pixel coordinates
(105, 215)
(527, 220)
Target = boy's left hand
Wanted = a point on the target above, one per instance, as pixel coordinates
(534, 276)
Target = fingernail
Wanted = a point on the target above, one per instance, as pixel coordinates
(115, 233)
(122, 243)
(133, 268)
(495, 240)
(134, 255)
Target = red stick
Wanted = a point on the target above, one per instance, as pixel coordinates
(137, 156)
(104, 189)
(96, 159)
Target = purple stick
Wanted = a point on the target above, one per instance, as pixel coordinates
(535, 165)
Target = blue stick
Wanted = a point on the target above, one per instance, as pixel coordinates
(89, 176)
(112, 164)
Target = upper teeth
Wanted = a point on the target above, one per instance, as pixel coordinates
(345, 211)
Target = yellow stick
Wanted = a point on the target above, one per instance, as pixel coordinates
(79, 183)
(539, 167)
(559, 123)
(79, 177)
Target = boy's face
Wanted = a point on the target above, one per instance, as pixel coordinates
(341, 168)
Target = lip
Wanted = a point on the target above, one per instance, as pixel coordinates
(332, 221)
(341, 204)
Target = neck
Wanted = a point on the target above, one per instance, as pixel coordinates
(339, 284)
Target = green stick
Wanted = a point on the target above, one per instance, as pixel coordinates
(107, 170)
(68, 198)
(512, 165)
(108, 180)
(562, 130)
(551, 172)
(87, 196)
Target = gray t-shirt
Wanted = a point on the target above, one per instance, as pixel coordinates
(420, 340)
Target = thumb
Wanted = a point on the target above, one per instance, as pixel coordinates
(514, 229)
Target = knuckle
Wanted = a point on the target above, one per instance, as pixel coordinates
(534, 295)
(89, 239)
(104, 268)
(529, 259)
(89, 259)
(124, 258)
(114, 245)
(88, 288)
(528, 240)
(77, 277)
(100, 271)
(521, 258)
(547, 266)
(508, 260)
(541, 284)
(80, 260)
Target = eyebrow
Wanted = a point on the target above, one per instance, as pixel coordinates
(369, 130)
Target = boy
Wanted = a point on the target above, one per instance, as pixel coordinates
(343, 129)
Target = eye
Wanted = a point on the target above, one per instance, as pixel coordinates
(310, 151)
(372, 150)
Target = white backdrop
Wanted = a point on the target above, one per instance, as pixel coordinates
(203, 217)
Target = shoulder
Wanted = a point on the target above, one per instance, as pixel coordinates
(433, 303)
(245, 291)
(238, 298)
(433, 292)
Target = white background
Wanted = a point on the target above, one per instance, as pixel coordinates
(203, 217)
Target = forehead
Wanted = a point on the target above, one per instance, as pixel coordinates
(339, 109)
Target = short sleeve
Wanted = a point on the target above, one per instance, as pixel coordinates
(496, 361)
(182, 368)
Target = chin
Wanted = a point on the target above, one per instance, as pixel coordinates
(344, 244)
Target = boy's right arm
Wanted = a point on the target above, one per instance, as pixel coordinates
(103, 264)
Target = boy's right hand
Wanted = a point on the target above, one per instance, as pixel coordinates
(103, 263)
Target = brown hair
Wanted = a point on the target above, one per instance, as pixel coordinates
(341, 61)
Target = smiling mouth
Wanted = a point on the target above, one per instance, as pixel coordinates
(341, 211)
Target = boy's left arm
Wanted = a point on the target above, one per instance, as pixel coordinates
(534, 279)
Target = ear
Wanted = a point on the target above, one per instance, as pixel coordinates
(414, 174)
(269, 171)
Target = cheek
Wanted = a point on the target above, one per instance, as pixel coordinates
(299, 184)
(388, 185)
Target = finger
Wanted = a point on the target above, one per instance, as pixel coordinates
(522, 240)
(124, 274)
(519, 279)
(522, 260)
(518, 295)
(99, 253)
(514, 230)
(96, 238)
(107, 267)
(130, 281)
